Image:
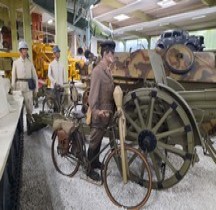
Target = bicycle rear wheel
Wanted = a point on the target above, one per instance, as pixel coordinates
(67, 164)
(133, 194)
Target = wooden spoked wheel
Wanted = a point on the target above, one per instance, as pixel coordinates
(160, 126)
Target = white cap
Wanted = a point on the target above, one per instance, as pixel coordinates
(22, 45)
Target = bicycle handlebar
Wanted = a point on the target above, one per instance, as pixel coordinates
(115, 116)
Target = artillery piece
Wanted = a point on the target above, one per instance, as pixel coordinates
(164, 119)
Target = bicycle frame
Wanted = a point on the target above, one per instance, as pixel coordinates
(113, 144)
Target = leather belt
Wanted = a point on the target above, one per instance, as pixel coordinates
(23, 80)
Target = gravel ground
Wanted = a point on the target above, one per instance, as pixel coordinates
(45, 189)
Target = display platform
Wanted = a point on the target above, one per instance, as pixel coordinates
(11, 153)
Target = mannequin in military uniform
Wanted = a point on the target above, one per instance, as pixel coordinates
(56, 69)
(101, 104)
(23, 69)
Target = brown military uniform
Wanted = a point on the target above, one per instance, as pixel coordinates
(100, 98)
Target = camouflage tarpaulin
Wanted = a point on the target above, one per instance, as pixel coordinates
(137, 65)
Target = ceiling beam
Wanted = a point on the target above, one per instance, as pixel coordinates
(211, 25)
(112, 3)
(169, 26)
(138, 34)
(204, 28)
(120, 8)
(170, 19)
(142, 16)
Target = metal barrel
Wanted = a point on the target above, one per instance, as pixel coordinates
(201, 95)
(202, 103)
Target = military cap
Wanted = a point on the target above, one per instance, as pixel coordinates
(80, 50)
(87, 53)
(56, 49)
(108, 44)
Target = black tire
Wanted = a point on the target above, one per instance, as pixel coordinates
(135, 185)
(67, 164)
(179, 59)
(161, 46)
(191, 47)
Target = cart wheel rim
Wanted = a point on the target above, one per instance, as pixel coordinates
(154, 113)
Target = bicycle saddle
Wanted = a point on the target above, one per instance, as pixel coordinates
(78, 114)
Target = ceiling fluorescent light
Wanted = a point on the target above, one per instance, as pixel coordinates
(50, 21)
(121, 17)
(198, 17)
(166, 3)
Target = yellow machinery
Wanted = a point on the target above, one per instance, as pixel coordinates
(6, 62)
(72, 65)
(43, 55)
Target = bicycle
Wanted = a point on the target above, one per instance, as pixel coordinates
(56, 99)
(138, 171)
(75, 97)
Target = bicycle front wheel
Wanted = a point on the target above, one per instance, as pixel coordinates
(67, 163)
(133, 194)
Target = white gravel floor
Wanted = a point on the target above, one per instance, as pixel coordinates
(45, 189)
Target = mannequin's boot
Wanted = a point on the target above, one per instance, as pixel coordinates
(96, 163)
(91, 173)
